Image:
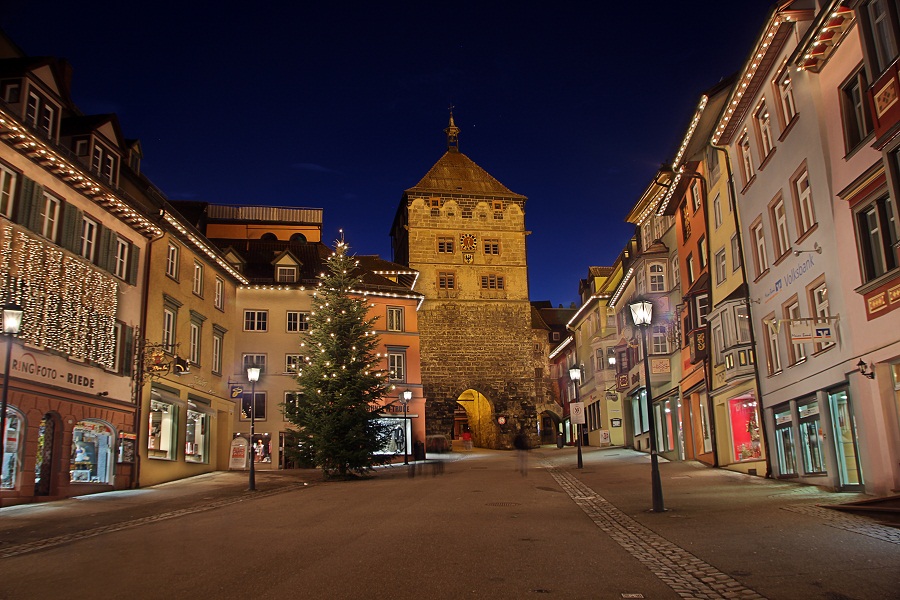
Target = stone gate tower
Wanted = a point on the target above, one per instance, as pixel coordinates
(464, 232)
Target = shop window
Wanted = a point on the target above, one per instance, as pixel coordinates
(745, 440)
(92, 453)
(196, 444)
(258, 406)
(811, 444)
(9, 478)
(704, 423)
(163, 430)
(845, 437)
(784, 443)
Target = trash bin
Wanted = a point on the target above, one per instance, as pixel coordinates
(559, 440)
(418, 451)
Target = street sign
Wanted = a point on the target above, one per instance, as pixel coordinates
(576, 413)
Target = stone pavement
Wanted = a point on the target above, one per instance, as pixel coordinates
(723, 535)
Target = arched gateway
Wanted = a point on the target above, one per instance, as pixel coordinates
(464, 232)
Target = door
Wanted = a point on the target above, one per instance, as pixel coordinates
(845, 445)
(43, 462)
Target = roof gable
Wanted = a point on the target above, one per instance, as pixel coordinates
(456, 173)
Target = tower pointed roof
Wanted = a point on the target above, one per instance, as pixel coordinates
(456, 173)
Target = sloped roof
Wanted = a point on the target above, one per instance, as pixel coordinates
(455, 172)
(600, 271)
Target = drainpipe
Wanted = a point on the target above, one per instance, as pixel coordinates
(737, 225)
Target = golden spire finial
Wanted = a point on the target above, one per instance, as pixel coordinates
(452, 132)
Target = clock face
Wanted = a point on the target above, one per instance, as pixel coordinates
(468, 241)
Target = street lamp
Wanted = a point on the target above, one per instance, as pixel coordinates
(642, 313)
(12, 320)
(405, 397)
(575, 376)
(252, 377)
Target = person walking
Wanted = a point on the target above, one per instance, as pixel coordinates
(521, 444)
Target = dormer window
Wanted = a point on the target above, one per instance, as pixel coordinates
(12, 91)
(286, 274)
(41, 114)
(81, 147)
(103, 163)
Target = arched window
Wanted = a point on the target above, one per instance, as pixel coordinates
(298, 237)
(269, 237)
(657, 277)
(12, 458)
(92, 453)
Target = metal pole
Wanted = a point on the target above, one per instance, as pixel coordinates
(580, 429)
(655, 483)
(3, 404)
(252, 433)
(405, 441)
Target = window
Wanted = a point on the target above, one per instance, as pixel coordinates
(172, 261)
(786, 94)
(446, 280)
(702, 304)
(691, 273)
(255, 408)
(811, 439)
(600, 358)
(256, 320)
(779, 222)
(286, 274)
(803, 203)
(876, 234)
(771, 327)
(717, 211)
(759, 243)
(492, 246)
(13, 438)
(92, 453)
(88, 238)
(882, 25)
(492, 282)
(397, 366)
(640, 281)
(196, 438)
(657, 277)
(764, 129)
(821, 311)
(445, 245)
(11, 92)
(50, 218)
(40, 114)
(194, 354)
(103, 163)
(394, 318)
(676, 272)
(253, 360)
(220, 294)
(162, 435)
(218, 341)
(792, 313)
(746, 157)
(685, 224)
(7, 188)
(555, 336)
(121, 259)
(855, 109)
(695, 194)
(735, 253)
(198, 279)
(720, 266)
(659, 340)
(168, 332)
(297, 321)
(718, 339)
(701, 251)
(742, 324)
(292, 363)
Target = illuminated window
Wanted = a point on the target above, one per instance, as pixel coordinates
(256, 320)
(286, 274)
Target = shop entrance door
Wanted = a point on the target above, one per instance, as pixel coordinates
(845, 439)
(43, 467)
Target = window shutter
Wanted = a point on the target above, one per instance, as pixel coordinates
(134, 254)
(127, 358)
(71, 228)
(29, 207)
(103, 255)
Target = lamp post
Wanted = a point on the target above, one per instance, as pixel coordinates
(252, 377)
(575, 376)
(12, 320)
(405, 397)
(642, 313)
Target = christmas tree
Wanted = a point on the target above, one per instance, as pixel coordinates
(340, 383)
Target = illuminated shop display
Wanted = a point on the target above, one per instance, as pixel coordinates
(92, 453)
(13, 441)
(196, 445)
(163, 430)
(811, 439)
(745, 440)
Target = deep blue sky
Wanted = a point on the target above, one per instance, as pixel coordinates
(341, 105)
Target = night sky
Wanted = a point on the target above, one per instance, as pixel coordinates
(342, 105)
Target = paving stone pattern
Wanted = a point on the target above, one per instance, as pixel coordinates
(847, 522)
(59, 540)
(686, 574)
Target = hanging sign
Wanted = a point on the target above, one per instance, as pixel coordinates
(576, 413)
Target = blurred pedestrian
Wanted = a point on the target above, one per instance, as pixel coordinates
(467, 440)
(521, 444)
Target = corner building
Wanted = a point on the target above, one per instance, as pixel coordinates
(464, 232)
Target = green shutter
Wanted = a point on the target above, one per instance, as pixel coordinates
(102, 256)
(29, 209)
(134, 254)
(127, 358)
(71, 229)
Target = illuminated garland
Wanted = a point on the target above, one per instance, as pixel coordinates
(70, 306)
